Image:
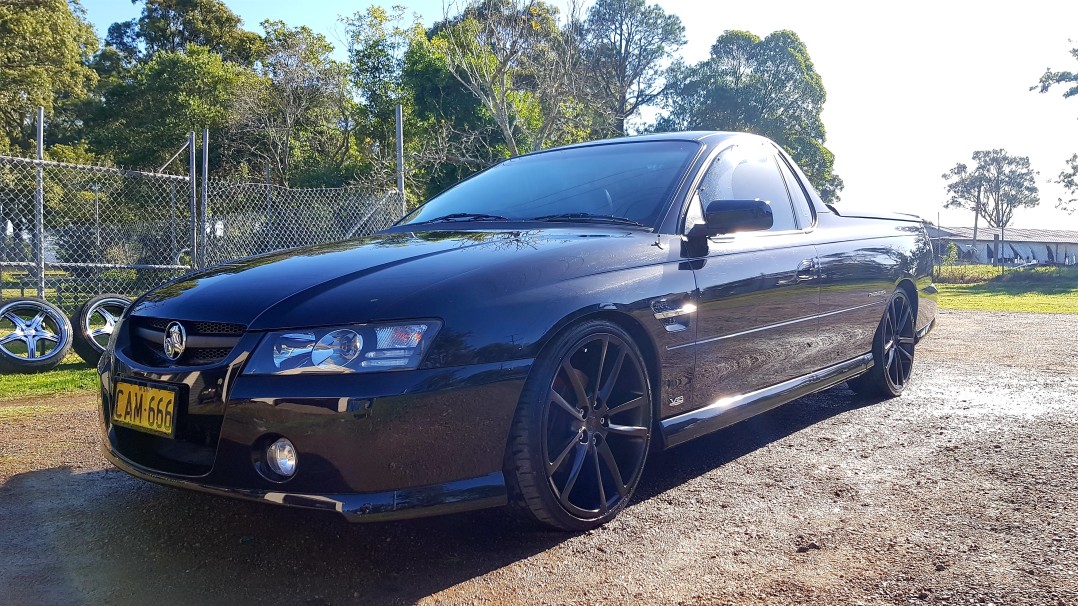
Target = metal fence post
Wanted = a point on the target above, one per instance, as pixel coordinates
(205, 188)
(39, 206)
(194, 199)
(400, 158)
(268, 231)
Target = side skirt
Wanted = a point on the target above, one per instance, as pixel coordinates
(727, 411)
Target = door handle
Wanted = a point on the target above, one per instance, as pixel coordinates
(806, 270)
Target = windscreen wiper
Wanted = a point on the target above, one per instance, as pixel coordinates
(588, 218)
(463, 217)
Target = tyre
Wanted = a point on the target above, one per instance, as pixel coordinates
(93, 324)
(34, 335)
(892, 351)
(582, 429)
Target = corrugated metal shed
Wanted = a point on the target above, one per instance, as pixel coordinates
(1014, 234)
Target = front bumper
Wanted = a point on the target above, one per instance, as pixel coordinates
(371, 447)
(420, 501)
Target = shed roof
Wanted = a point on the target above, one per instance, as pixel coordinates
(1013, 234)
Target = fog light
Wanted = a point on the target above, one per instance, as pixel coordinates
(281, 457)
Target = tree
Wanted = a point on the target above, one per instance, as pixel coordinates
(1068, 178)
(300, 109)
(1064, 78)
(522, 66)
(43, 48)
(765, 86)
(627, 44)
(171, 25)
(146, 117)
(998, 185)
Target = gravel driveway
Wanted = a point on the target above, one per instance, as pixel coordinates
(964, 490)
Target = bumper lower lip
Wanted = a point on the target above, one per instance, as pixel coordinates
(420, 501)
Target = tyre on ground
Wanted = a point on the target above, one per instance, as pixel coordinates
(35, 335)
(892, 351)
(582, 429)
(94, 323)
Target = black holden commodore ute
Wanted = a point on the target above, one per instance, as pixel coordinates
(527, 336)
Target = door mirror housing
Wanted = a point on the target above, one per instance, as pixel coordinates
(732, 216)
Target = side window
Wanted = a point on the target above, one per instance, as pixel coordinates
(802, 206)
(749, 172)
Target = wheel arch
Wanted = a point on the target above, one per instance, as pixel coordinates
(906, 284)
(648, 349)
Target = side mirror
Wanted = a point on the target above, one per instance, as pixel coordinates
(731, 216)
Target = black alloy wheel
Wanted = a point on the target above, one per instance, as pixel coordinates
(34, 335)
(94, 323)
(892, 351)
(583, 428)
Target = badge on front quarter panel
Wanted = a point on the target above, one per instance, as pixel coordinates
(175, 340)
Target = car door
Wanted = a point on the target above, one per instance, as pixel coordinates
(758, 294)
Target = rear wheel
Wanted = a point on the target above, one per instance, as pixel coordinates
(34, 335)
(892, 351)
(94, 323)
(582, 429)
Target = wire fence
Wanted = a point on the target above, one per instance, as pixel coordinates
(69, 232)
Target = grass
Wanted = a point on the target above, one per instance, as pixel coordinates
(1038, 290)
(72, 375)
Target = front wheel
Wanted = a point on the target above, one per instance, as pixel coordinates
(582, 428)
(892, 351)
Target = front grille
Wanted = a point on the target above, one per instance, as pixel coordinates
(207, 342)
(199, 328)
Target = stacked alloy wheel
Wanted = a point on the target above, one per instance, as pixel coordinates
(35, 335)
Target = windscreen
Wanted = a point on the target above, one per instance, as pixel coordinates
(632, 180)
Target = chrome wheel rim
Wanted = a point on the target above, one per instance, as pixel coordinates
(31, 331)
(101, 319)
(898, 342)
(596, 426)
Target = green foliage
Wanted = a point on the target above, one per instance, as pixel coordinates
(296, 115)
(146, 117)
(628, 44)
(995, 187)
(172, 25)
(1063, 78)
(765, 86)
(523, 66)
(951, 256)
(1068, 178)
(44, 45)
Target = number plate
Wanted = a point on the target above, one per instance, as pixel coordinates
(148, 408)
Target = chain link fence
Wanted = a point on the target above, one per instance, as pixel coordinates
(69, 232)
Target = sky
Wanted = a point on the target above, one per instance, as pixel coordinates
(913, 87)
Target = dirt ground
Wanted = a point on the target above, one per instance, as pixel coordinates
(962, 491)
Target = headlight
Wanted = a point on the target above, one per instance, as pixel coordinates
(344, 349)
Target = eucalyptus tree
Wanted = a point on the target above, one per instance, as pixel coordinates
(766, 86)
(300, 109)
(1068, 177)
(523, 64)
(627, 46)
(996, 186)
